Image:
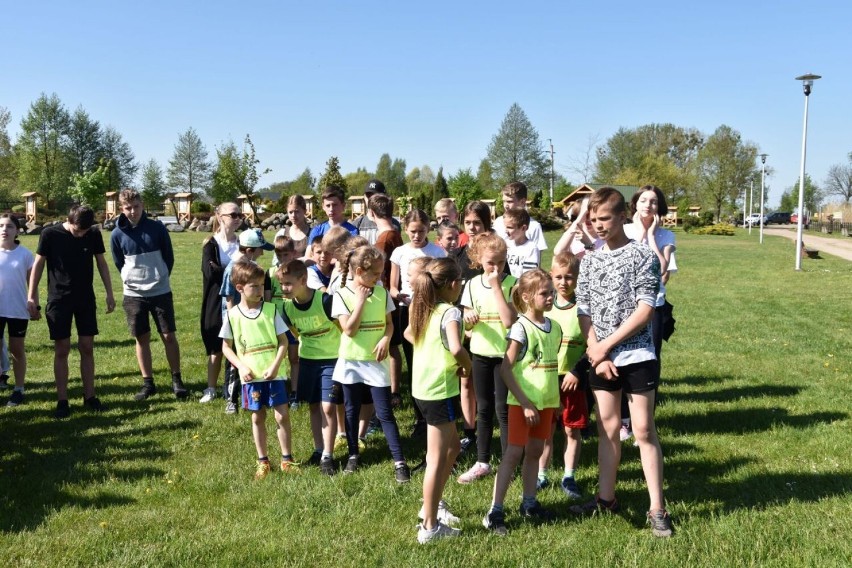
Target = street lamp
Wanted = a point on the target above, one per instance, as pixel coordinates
(762, 185)
(750, 204)
(807, 83)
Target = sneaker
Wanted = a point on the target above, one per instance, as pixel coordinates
(93, 403)
(542, 483)
(147, 390)
(180, 391)
(4, 381)
(263, 469)
(661, 522)
(230, 407)
(570, 487)
(444, 514)
(626, 432)
(62, 410)
(328, 467)
(440, 530)
(402, 473)
(208, 396)
(595, 506)
(536, 512)
(495, 521)
(315, 458)
(466, 444)
(477, 471)
(351, 465)
(16, 399)
(288, 465)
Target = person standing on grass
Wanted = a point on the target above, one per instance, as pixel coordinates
(616, 293)
(436, 330)
(299, 229)
(16, 263)
(367, 224)
(255, 342)
(514, 196)
(334, 205)
(142, 252)
(70, 251)
(522, 255)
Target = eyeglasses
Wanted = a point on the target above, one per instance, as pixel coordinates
(233, 215)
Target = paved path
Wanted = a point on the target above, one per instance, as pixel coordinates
(839, 247)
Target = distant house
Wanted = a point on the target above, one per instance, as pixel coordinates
(587, 189)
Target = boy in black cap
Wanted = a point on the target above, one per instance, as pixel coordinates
(366, 226)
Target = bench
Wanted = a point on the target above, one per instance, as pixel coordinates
(811, 253)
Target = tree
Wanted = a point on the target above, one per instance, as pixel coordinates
(331, 175)
(42, 149)
(236, 173)
(152, 183)
(583, 164)
(84, 141)
(839, 180)
(516, 153)
(485, 177)
(812, 196)
(392, 174)
(8, 167)
(439, 187)
(117, 154)
(189, 169)
(358, 179)
(725, 166)
(89, 188)
(305, 183)
(464, 188)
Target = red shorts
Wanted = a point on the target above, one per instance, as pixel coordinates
(520, 431)
(575, 410)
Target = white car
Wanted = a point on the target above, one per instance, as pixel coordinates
(754, 220)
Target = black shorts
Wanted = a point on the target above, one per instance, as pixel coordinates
(212, 341)
(59, 314)
(17, 327)
(161, 308)
(437, 412)
(635, 378)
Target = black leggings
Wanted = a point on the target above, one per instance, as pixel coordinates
(491, 393)
(401, 321)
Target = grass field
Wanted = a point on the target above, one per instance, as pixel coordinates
(755, 425)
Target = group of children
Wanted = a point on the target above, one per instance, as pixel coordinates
(484, 329)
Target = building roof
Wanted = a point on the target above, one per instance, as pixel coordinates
(587, 188)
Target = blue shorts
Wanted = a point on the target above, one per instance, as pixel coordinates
(315, 384)
(257, 395)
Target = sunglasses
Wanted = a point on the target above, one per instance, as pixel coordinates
(233, 215)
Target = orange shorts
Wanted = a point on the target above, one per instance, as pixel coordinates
(520, 431)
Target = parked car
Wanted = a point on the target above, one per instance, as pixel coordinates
(794, 218)
(754, 220)
(780, 218)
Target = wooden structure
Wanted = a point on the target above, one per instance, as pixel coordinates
(357, 205)
(245, 206)
(492, 205)
(31, 211)
(670, 220)
(586, 189)
(183, 205)
(111, 205)
(309, 205)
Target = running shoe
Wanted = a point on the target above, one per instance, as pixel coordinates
(661, 523)
(495, 521)
(444, 514)
(439, 531)
(208, 396)
(476, 472)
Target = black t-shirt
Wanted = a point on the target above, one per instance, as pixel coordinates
(70, 261)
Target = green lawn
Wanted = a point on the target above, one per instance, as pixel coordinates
(755, 425)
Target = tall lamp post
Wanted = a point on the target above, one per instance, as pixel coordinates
(807, 83)
(750, 204)
(762, 186)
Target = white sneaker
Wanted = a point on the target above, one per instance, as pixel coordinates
(444, 514)
(477, 471)
(441, 530)
(209, 395)
(626, 432)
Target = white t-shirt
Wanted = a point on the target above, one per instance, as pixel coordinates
(517, 333)
(402, 256)
(534, 232)
(522, 258)
(372, 373)
(14, 265)
(228, 250)
(664, 238)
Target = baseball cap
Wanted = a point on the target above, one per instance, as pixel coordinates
(374, 186)
(253, 238)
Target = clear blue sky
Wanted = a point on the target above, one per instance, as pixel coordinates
(431, 82)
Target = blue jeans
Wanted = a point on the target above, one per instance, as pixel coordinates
(352, 396)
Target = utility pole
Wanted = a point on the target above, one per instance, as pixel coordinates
(551, 170)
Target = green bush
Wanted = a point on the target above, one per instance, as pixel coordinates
(690, 223)
(202, 207)
(723, 229)
(706, 218)
(18, 208)
(549, 221)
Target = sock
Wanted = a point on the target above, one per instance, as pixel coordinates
(176, 376)
(470, 433)
(569, 472)
(287, 457)
(263, 459)
(148, 381)
(19, 389)
(528, 501)
(399, 463)
(496, 508)
(326, 456)
(542, 474)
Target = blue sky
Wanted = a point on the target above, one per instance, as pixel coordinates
(431, 82)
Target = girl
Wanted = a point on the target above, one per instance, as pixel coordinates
(529, 370)
(488, 314)
(364, 312)
(298, 229)
(577, 238)
(16, 262)
(435, 386)
(218, 251)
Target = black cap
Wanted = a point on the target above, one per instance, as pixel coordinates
(374, 186)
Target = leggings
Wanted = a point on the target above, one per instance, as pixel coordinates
(491, 393)
(352, 396)
(408, 349)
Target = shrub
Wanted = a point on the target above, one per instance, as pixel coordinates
(723, 229)
(690, 223)
(548, 219)
(202, 207)
(706, 218)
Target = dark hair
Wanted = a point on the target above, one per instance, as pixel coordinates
(334, 192)
(14, 222)
(481, 210)
(662, 206)
(246, 271)
(608, 195)
(381, 205)
(82, 217)
(129, 195)
(438, 274)
(518, 215)
(415, 216)
(298, 201)
(515, 189)
(444, 226)
(295, 268)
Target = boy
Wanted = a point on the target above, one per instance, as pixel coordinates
(616, 294)
(68, 251)
(522, 255)
(334, 204)
(319, 273)
(255, 342)
(142, 252)
(515, 197)
(307, 313)
(367, 225)
(448, 236)
(445, 210)
(284, 253)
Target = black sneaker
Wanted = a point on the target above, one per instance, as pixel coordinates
(328, 467)
(316, 458)
(62, 410)
(402, 473)
(536, 512)
(466, 444)
(595, 506)
(147, 390)
(419, 467)
(16, 399)
(495, 521)
(661, 523)
(93, 403)
(351, 465)
(180, 391)
(4, 381)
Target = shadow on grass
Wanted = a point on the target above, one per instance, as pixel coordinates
(745, 420)
(732, 394)
(47, 346)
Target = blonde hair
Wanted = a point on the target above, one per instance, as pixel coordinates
(484, 242)
(567, 260)
(363, 257)
(334, 239)
(344, 254)
(438, 274)
(530, 282)
(214, 228)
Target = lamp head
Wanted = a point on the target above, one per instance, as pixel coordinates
(763, 158)
(808, 81)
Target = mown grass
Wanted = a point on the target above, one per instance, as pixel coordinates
(755, 424)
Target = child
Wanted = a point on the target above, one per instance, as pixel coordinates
(388, 237)
(364, 312)
(284, 253)
(523, 254)
(334, 243)
(529, 370)
(367, 224)
(255, 342)
(70, 250)
(319, 273)
(515, 197)
(477, 220)
(616, 292)
(445, 210)
(142, 252)
(435, 387)
(334, 205)
(488, 314)
(16, 264)
(307, 312)
(575, 413)
(448, 236)
(577, 238)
